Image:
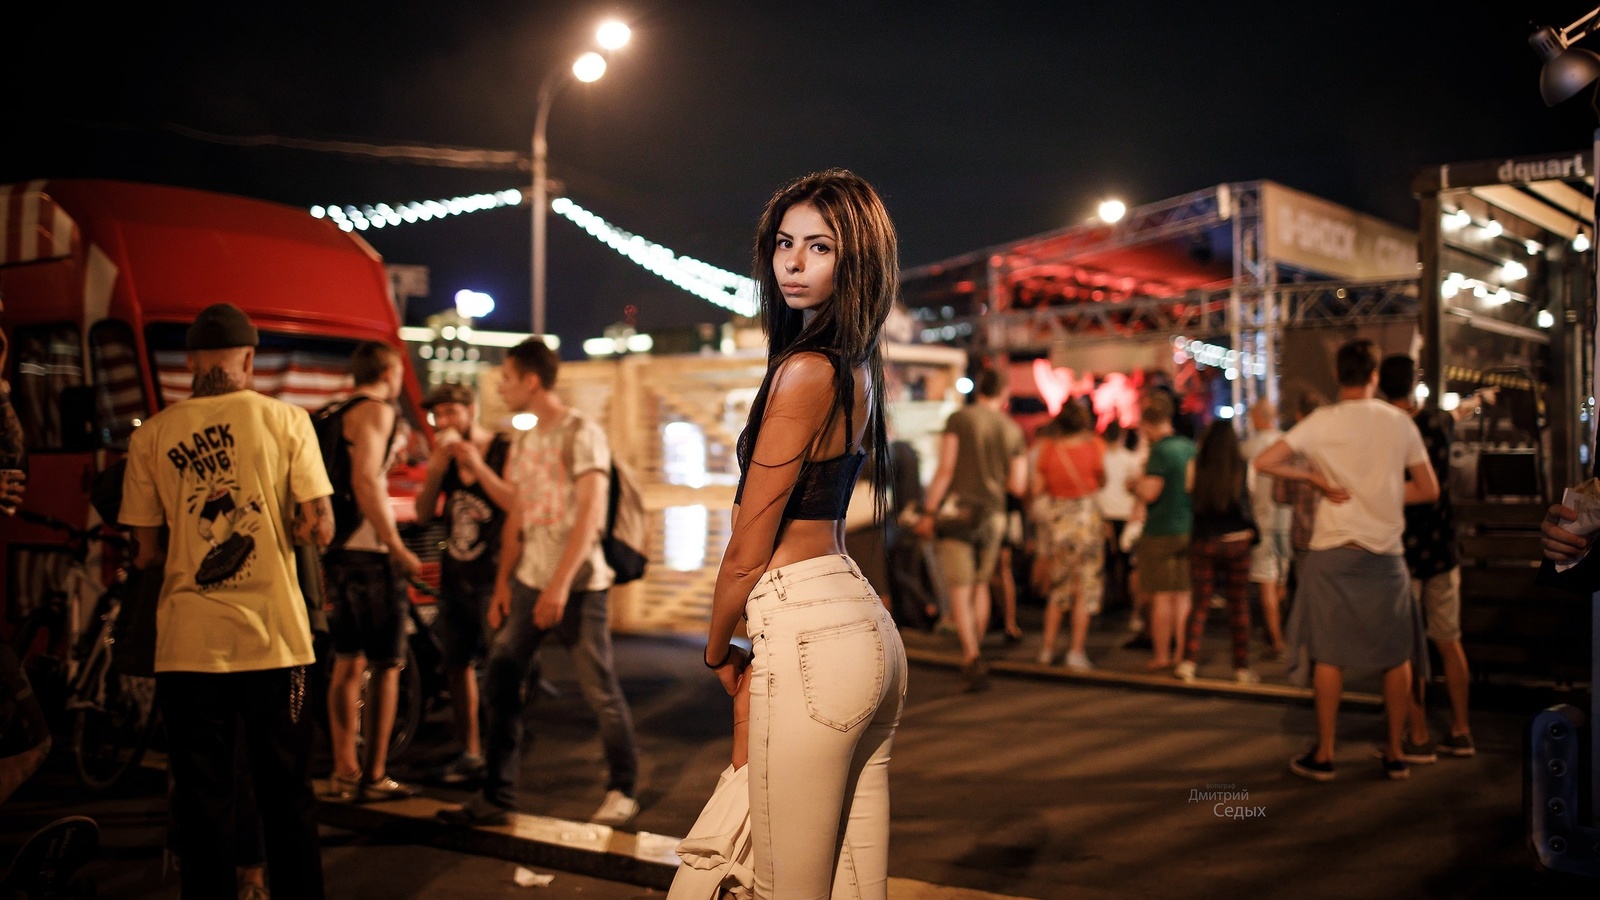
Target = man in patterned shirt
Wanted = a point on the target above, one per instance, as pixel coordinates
(552, 580)
(1434, 559)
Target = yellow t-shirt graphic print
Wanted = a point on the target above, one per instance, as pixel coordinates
(225, 473)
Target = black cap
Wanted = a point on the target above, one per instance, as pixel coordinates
(219, 327)
(448, 393)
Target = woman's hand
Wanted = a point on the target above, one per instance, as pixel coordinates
(737, 661)
(1333, 492)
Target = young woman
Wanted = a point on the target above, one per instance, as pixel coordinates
(827, 672)
(1219, 548)
(1068, 471)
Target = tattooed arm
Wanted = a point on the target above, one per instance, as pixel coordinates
(314, 524)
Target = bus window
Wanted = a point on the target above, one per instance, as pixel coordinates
(49, 361)
(118, 393)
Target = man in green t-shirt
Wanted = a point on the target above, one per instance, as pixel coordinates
(1162, 556)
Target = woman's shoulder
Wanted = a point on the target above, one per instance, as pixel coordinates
(804, 369)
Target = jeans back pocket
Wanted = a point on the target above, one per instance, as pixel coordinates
(842, 670)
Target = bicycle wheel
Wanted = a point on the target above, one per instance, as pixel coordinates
(109, 739)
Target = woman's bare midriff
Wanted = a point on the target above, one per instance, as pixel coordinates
(805, 539)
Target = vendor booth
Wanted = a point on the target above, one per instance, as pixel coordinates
(1245, 267)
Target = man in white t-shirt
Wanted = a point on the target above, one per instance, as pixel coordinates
(552, 579)
(1269, 559)
(1353, 606)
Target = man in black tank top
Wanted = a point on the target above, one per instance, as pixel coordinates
(465, 470)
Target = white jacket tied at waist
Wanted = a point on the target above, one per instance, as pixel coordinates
(715, 857)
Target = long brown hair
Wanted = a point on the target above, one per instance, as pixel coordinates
(1219, 469)
(849, 326)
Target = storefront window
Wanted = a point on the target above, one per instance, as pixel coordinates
(49, 362)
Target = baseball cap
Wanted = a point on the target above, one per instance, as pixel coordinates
(448, 393)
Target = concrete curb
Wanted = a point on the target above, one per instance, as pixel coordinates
(1205, 687)
(643, 859)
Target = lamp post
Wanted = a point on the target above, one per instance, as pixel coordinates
(587, 68)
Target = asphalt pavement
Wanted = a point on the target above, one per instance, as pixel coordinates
(1043, 787)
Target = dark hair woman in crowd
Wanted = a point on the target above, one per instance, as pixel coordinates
(1219, 550)
(828, 271)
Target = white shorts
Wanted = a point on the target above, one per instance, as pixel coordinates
(1440, 596)
(1269, 559)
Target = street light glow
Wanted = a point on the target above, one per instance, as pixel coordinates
(589, 67)
(612, 35)
(1112, 210)
(473, 304)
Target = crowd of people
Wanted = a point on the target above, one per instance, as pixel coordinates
(1336, 527)
(223, 492)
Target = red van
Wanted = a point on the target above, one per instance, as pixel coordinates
(100, 280)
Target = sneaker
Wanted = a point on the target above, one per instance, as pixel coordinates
(1459, 745)
(1136, 623)
(386, 788)
(1394, 769)
(1079, 660)
(1417, 754)
(1308, 767)
(618, 809)
(343, 788)
(976, 676)
(1046, 657)
(477, 811)
(1184, 671)
(460, 770)
(1246, 676)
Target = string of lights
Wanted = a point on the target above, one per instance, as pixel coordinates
(728, 290)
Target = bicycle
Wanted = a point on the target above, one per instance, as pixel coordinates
(108, 714)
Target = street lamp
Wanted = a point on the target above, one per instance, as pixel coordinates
(587, 68)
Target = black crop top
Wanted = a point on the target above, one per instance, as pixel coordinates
(822, 489)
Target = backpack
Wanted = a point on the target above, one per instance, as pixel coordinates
(328, 423)
(625, 537)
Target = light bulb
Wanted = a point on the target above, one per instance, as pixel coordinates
(589, 67)
(612, 35)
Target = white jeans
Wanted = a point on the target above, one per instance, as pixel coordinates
(828, 684)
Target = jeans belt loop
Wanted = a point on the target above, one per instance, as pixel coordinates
(778, 587)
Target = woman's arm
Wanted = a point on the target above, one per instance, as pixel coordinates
(1278, 462)
(797, 407)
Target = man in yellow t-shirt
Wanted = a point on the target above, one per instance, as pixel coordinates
(224, 471)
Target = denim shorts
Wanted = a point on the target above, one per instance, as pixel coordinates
(370, 606)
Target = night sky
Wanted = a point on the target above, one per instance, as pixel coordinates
(980, 122)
